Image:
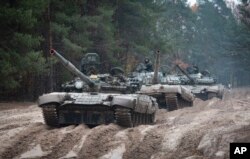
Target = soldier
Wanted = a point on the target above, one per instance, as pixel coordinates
(194, 69)
(148, 65)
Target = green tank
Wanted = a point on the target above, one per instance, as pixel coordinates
(170, 97)
(95, 107)
(201, 84)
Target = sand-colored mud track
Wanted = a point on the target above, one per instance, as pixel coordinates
(202, 131)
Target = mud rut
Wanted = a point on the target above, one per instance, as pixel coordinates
(202, 131)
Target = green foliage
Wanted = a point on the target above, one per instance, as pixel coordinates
(121, 32)
(19, 56)
(25, 41)
(8, 70)
(209, 36)
(33, 63)
(244, 12)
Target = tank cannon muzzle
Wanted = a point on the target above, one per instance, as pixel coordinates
(52, 51)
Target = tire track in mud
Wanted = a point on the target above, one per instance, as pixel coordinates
(144, 143)
(21, 142)
(188, 144)
(11, 126)
(134, 138)
(201, 131)
(60, 148)
(48, 139)
(30, 114)
(99, 141)
(44, 140)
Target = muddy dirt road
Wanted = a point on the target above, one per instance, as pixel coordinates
(202, 131)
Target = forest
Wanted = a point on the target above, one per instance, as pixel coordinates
(213, 34)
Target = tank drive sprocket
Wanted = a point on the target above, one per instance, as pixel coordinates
(50, 115)
(123, 117)
(172, 102)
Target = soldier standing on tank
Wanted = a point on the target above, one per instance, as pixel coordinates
(194, 69)
(148, 65)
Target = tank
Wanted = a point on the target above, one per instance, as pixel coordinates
(75, 85)
(90, 64)
(95, 107)
(201, 84)
(114, 81)
(170, 97)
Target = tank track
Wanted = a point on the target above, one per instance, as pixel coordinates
(50, 115)
(126, 118)
(211, 95)
(172, 102)
(183, 103)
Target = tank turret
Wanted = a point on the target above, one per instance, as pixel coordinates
(67, 64)
(114, 82)
(192, 81)
(201, 84)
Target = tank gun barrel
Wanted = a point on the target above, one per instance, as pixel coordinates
(67, 64)
(156, 69)
(186, 74)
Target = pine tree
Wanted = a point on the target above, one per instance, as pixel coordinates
(21, 59)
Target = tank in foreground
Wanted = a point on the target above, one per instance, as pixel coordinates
(93, 107)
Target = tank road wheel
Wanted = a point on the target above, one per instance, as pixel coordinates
(190, 104)
(140, 119)
(211, 95)
(50, 115)
(123, 117)
(147, 119)
(144, 119)
(135, 119)
(171, 102)
(152, 118)
(183, 103)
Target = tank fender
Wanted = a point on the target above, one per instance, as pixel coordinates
(218, 89)
(55, 97)
(158, 88)
(187, 94)
(221, 91)
(124, 101)
(154, 107)
(146, 104)
(215, 89)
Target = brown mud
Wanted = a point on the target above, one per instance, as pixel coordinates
(202, 131)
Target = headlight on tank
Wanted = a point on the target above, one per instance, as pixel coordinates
(78, 84)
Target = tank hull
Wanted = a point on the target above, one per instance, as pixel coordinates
(170, 97)
(61, 108)
(206, 92)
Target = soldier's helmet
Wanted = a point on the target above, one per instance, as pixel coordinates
(146, 60)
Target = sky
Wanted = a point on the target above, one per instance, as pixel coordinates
(229, 3)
